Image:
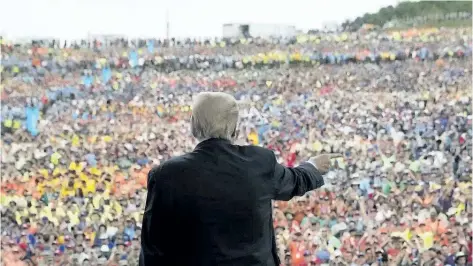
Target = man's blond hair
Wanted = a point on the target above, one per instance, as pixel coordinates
(214, 115)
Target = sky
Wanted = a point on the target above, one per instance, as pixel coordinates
(76, 19)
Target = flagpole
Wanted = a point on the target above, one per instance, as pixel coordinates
(167, 24)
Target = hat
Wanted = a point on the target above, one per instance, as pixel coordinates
(396, 235)
(337, 228)
(102, 261)
(337, 253)
(82, 257)
(79, 233)
(104, 248)
(459, 255)
(358, 233)
(301, 199)
(452, 211)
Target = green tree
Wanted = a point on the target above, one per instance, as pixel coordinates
(418, 11)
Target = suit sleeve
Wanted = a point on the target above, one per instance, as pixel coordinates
(296, 181)
(152, 234)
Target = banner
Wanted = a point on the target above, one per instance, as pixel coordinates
(423, 53)
(106, 74)
(133, 58)
(87, 80)
(150, 45)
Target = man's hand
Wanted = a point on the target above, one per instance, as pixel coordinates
(322, 162)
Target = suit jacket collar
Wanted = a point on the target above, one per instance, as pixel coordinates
(212, 141)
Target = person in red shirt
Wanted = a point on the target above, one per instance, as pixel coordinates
(291, 159)
(297, 253)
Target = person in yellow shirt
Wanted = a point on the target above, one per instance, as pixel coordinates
(16, 124)
(8, 123)
(117, 208)
(73, 213)
(43, 172)
(50, 213)
(89, 186)
(75, 142)
(253, 137)
(79, 184)
(55, 182)
(20, 214)
(426, 235)
(58, 171)
(75, 166)
(90, 234)
(68, 191)
(55, 158)
(95, 171)
(317, 146)
(98, 201)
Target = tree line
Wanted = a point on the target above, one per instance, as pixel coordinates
(416, 12)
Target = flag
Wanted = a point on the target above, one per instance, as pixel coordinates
(150, 44)
(32, 117)
(106, 74)
(133, 58)
(87, 80)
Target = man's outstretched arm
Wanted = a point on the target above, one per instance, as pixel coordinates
(296, 181)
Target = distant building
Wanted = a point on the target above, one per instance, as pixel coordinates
(237, 30)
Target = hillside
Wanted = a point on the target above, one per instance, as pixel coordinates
(413, 14)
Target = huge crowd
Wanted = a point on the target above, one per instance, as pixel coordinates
(84, 122)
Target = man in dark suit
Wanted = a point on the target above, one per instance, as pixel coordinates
(212, 206)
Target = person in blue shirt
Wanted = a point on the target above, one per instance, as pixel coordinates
(130, 229)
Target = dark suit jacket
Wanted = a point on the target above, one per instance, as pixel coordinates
(213, 206)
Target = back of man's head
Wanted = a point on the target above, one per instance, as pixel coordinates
(214, 115)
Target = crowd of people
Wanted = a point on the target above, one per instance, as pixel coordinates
(83, 123)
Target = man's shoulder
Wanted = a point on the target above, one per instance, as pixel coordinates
(187, 160)
(170, 164)
(257, 155)
(190, 157)
(256, 149)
